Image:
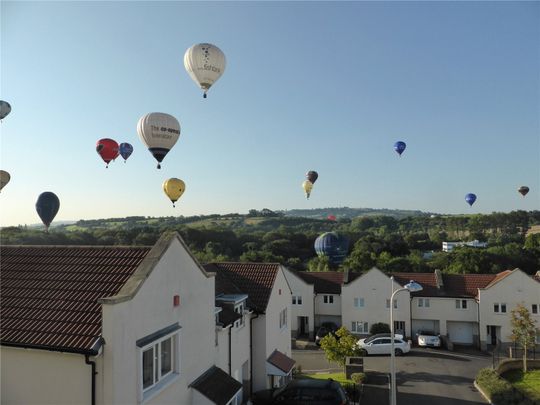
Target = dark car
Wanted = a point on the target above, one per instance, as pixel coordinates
(303, 392)
(325, 329)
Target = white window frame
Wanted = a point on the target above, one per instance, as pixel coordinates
(359, 327)
(297, 300)
(283, 319)
(359, 302)
(498, 307)
(423, 303)
(160, 381)
(328, 299)
(534, 309)
(388, 303)
(462, 304)
(239, 309)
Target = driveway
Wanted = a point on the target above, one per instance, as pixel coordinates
(423, 376)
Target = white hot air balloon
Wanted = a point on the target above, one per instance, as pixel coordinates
(4, 178)
(205, 63)
(159, 132)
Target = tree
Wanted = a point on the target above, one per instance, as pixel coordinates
(523, 330)
(338, 348)
(379, 327)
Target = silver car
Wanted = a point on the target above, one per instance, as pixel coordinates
(428, 338)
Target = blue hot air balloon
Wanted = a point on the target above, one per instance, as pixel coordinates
(125, 150)
(332, 245)
(399, 147)
(47, 206)
(470, 198)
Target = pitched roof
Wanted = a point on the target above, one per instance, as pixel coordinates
(324, 282)
(466, 285)
(281, 361)
(426, 280)
(254, 279)
(50, 293)
(216, 385)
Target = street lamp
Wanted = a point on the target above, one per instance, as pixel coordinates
(412, 286)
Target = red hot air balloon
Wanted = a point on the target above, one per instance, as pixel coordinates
(107, 149)
(331, 217)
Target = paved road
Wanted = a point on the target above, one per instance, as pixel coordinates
(424, 376)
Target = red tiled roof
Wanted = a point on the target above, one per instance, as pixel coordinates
(254, 279)
(49, 293)
(466, 285)
(426, 280)
(500, 276)
(328, 282)
(281, 361)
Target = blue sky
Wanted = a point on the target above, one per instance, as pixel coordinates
(325, 86)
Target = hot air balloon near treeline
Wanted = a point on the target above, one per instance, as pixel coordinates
(312, 176)
(174, 188)
(307, 186)
(470, 198)
(4, 179)
(5, 109)
(331, 217)
(332, 245)
(523, 190)
(107, 149)
(399, 147)
(159, 132)
(47, 207)
(125, 149)
(205, 63)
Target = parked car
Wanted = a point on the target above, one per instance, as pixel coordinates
(303, 392)
(377, 344)
(325, 329)
(428, 338)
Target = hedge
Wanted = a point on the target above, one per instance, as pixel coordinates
(500, 391)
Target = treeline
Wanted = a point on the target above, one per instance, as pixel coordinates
(411, 244)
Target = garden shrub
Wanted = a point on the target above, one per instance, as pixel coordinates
(500, 391)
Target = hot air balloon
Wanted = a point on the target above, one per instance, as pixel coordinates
(307, 186)
(399, 147)
(331, 217)
(125, 150)
(332, 245)
(205, 63)
(107, 149)
(470, 198)
(312, 176)
(174, 188)
(523, 190)
(4, 178)
(5, 109)
(47, 206)
(159, 132)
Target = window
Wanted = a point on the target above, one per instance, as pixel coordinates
(359, 302)
(297, 300)
(159, 360)
(359, 327)
(499, 308)
(423, 302)
(534, 308)
(283, 319)
(461, 304)
(239, 309)
(399, 326)
(328, 299)
(388, 303)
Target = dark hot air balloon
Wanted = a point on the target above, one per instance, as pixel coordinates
(125, 150)
(399, 147)
(523, 190)
(5, 109)
(332, 245)
(312, 176)
(470, 198)
(107, 149)
(47, 206)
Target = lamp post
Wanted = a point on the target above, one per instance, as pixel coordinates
(412, 286)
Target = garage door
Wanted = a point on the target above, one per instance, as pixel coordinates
(424, 324)
(460, 332)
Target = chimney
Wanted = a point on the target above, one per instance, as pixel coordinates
(439, 279)
(346, 277)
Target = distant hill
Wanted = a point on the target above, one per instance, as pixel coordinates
(346, 212)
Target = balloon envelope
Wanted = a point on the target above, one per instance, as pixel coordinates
(312, 176)
(523, 190)
(205, 63)
(331, 217)
(125, 150)
(332, 245)
(159, 132)
(174, 188)
(399, 147)
(470, 198)
(307, 186)
(5, 109)
(47, 206)
(4, 178)
(107, 149)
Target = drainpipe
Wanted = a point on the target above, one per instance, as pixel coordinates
(94, 372)
(251, 352)
(230, 349)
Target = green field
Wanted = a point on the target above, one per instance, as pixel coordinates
(528, 383)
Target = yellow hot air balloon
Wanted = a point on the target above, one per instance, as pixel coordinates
(307, 186)
(174, 188)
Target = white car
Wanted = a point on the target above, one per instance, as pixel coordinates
(428, 338)
(382, 344)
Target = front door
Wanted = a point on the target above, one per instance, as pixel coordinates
(493, 334)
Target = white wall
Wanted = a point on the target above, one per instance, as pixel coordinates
(151, 310)
(375, 287)
(300, 288)
(333, 309)
(516, 288)
(444, 310)
(43, 377)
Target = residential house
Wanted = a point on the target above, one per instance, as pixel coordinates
(302, 306)
(109, 325)
(269, 301)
